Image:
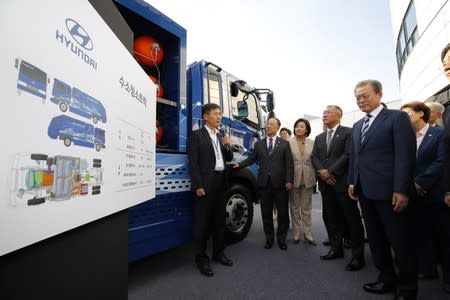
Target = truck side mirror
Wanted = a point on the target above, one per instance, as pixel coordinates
(242, 109)
(270, 102)
(234, 89)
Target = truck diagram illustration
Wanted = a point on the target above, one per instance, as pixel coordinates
(76, 101)
(38, 178)
(31, 79)
(74, 131)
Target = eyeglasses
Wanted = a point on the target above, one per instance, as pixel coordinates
(363, 96)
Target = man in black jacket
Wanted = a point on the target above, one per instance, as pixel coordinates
(330, 158)
(275, 177)
(208, 151)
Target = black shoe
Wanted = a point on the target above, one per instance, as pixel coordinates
(446, 287)
(347, 244)
(355, 264)
(326, 242)
(205, 269)
(427, 276)
(282, 245)
(332, 254)
(268, 244)
(222, 259)
(379, 287)
(310, 241)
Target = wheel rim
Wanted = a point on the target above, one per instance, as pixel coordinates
(237, 212)
(67, 142)
(63, 106)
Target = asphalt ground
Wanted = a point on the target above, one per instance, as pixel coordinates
(258, 273)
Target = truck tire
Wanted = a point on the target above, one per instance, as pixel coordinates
(239, 213)
(63, 106)
(67, 142)
(95, 119)
(98, 147)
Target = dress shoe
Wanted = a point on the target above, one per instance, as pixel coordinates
(222, 259)
(332, 254)
(326, 242)
(347, 244)
(427, 276)
(355, 264)
(282, 245)
(268, 244)
(446, 287)
(205, 269)
(379, 287)
(310, 241)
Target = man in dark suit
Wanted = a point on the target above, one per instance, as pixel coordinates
(381, 170)
(208, 151)
(330, 158)
(276, 173)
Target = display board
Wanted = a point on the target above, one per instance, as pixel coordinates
(78, 122)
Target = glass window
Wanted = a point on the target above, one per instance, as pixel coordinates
(410, 21)
(407, 36)
(214, 88)
(252, 119)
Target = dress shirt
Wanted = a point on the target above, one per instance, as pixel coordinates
(217, 151)
(421, 134)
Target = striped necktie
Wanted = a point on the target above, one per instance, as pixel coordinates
(365, 127)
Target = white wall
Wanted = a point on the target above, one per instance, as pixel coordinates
(422, 73)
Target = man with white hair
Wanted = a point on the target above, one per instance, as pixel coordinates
(436, 112)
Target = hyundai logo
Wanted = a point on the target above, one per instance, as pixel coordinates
(79, 34)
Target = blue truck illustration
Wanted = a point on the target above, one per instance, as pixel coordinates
(74, 131)
(77, 101)
(31, 79)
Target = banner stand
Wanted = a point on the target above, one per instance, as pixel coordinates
(88, 262)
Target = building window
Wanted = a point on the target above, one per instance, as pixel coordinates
(407, 37)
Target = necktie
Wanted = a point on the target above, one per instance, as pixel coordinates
(365, 127)
(270, 145)
(329, 137)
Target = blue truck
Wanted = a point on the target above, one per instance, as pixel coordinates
(166, 221)
(71, 130)
(31, 79)
(77, 101)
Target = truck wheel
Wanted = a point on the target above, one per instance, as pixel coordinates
(95, 119)
(67, 142)
(63, 106)
(239, 213)
(98, 147)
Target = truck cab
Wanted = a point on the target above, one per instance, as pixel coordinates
(159, 46)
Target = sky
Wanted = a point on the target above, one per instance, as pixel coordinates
(310, 53)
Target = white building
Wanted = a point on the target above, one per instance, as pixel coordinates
(422, 30)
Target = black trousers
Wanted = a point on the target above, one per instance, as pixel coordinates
(388, 229)
(270, 195)
(340, 211)
(209, 218)
(432, 224)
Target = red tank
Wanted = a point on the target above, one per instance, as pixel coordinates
(148, 51)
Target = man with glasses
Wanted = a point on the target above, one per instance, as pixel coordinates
(381, 170)
(208, 151)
